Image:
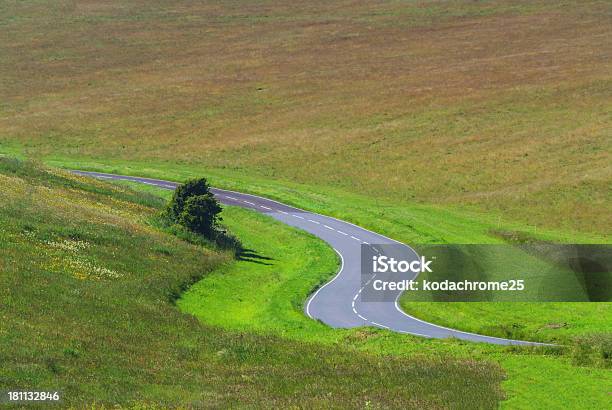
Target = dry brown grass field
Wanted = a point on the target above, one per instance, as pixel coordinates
(499, 106)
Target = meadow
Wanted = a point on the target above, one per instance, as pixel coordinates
(499, 107)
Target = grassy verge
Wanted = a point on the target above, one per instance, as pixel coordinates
(87, 290)
(556, 322)
(265, 289)
(264, 294)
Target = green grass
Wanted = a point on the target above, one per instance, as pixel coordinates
(409, 223)
(557, 322)
(87, 288)
(268, 299)
(267, 288)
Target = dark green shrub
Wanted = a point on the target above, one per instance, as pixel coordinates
(191, 188)
(195, 208)
(200, 214)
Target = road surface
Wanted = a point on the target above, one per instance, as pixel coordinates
(339, 302)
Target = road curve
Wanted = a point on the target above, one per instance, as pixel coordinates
(338, 303)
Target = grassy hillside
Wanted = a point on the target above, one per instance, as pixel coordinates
(498, 106)
(430, 121)
(87, 288)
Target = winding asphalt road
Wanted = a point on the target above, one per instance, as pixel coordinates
(339, 302)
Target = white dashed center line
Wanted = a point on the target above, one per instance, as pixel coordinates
(314, 222)
(342, 233)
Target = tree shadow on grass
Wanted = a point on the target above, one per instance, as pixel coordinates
(250, 255)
